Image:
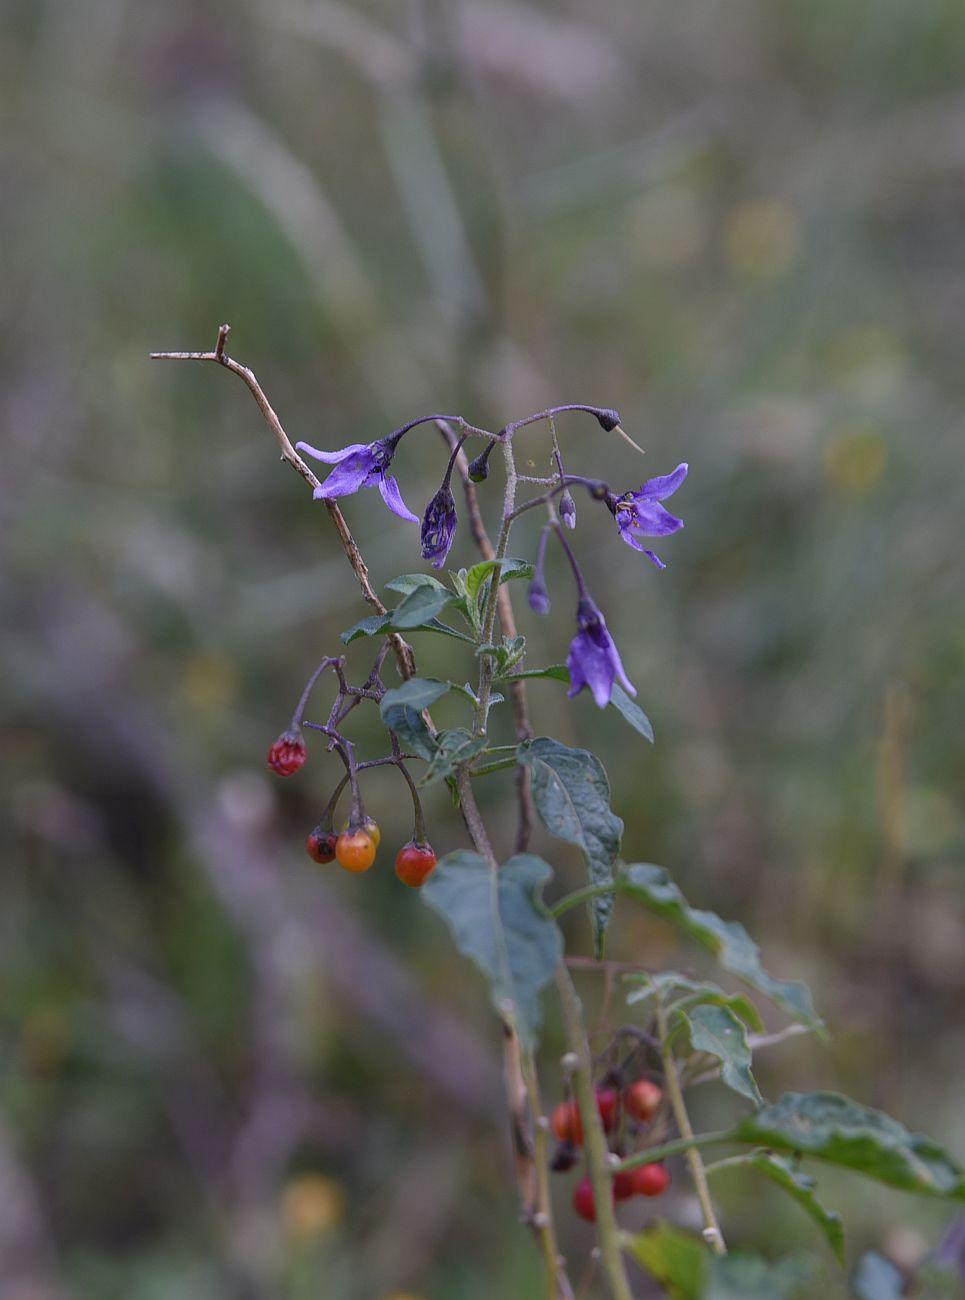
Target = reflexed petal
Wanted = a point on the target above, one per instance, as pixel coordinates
(347, 477)
(630, 540)
(652, 519)
(657, 489)
(617, 665)
(332, 457)
(393, 498)
(656, 558)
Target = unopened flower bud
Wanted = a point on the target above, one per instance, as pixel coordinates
(538, 596)
(479, 468)
(567, 508)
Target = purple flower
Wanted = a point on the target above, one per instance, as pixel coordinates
(439, 526)
(594, 660)
(361, 465)
(538, 595)
(640, 514)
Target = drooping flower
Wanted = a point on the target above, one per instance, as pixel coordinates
(439, 526)
(639, 514)
(594, 660)
(361, 465)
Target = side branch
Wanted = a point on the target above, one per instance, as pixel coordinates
(400, 647)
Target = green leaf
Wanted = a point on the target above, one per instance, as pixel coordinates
(407, 583)
(744, 1276)
(665, 983)
(417, 693)
(631, 712)
(505, 655)
(876, 1278)
(556, 672)
(842, 1132)
(496, 922)
(452, 746)
(412, 732)
(366, 627)
(421, 606)
(717, 1031)
(801, 1187)
(728, 940)
(676, 1260)
(572, 797)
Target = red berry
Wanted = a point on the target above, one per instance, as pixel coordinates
(623, 1185)
(288, 752)
(355, 851)
(650, 1180)
(415, 863)
(565, 1123)
(608, 1104)
(321, 845)
(642, 1099)
(583, 1201)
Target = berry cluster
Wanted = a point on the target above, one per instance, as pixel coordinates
(355, 846)
(625, 1114)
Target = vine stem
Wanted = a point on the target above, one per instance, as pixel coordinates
(712, 1233)
(400, 647)
(594, 1139)
(489, 618)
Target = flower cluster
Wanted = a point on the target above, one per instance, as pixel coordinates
(593, 659)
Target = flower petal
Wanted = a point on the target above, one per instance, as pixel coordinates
(651, 519)
(353, 473)
(393, 498)
(589, 665)
(658, 489)
(332, 457)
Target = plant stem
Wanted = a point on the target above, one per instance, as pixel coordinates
(557, 1283)
(712, 1233)
(595, 1140)
(489, 618)
(675, 1148)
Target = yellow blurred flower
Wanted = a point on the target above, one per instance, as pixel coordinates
(310, 1206)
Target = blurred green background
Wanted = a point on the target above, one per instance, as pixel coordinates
(225, 1072)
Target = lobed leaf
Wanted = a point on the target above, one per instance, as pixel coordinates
(728, 940)
(496, 921)
(834, 1128)
(572, 797)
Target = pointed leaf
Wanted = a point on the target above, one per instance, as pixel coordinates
(839, 1130)
(417, 693)
(366, 627)
(556, 672)
(801, 1187)
(572, 797)
(407, 583)
(666, 983)
(676, 1260)
(422, 605)
(728, 940)
(631, 712)
(718, 1032)
(496, 922)
(412, 732)
(452, 746)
